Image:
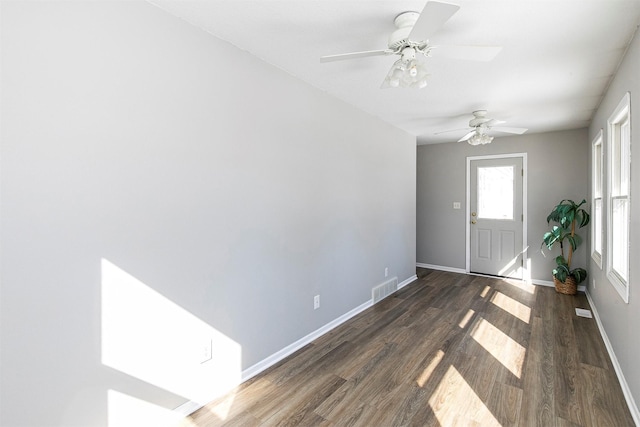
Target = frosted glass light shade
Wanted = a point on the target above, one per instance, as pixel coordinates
(480, 139)
(406, 74)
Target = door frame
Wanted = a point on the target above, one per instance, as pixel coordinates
(526, 271)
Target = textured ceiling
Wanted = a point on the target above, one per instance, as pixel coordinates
(557, 59)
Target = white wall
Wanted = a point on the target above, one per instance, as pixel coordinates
(557, 169)
(160, 188)
(620, 320)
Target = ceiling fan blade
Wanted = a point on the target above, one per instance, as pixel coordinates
(493, 122)
(504, 129)
(468, 53)
(467, 136)
(451, 130)
(432, 17)
(354, 55)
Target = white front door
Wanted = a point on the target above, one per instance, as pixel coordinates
(496, 216)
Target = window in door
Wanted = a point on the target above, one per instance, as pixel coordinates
(495, 192)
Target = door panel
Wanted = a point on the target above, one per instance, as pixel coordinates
(483, 243)
(496, 216)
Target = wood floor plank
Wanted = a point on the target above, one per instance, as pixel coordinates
(592, 349)
(242, 420)
(301, 405)
(538, 407)
(366, 387)
(449, 349)
(566, 360)
(234, 404)
(505, 403)
(605, 407)
(362, 416)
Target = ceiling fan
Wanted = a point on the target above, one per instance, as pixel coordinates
(411, 38)
(480, 125)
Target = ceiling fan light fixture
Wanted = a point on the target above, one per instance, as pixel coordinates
(410, 73)
(480, 139)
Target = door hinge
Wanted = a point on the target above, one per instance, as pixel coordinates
(521, 172)
(521, 217)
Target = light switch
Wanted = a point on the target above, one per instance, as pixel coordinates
(456, 205)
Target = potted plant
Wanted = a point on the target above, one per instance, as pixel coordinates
(567, 215)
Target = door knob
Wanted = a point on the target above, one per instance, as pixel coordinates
(473, 214)
(473, 221)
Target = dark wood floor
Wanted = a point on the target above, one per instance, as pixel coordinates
(447, 350)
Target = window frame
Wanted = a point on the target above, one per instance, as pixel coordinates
(618, 189)
(597, 175)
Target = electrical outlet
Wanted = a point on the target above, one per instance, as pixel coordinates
(386, 271)
(456, 205)
(316, 302)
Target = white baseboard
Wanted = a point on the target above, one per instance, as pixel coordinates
(549, 283)
(441, 268)
(190, 407)
(406, 282)
(254, 370)
(633, 408)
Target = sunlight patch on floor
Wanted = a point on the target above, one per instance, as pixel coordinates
(500, 345)
(485, 291)
(521, 284)
(223, 407)
(424, 377)
(125, 410)
(465, 320)
(511, 306)
(454, 403)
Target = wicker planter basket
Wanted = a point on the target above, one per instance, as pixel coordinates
(569, 287)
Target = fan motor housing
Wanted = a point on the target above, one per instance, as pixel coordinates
(404, 22)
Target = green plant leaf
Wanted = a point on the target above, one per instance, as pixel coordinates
(561, 273)
(580, 274)
(560, 260)
(556, 234)
(574, 240)
(583, 218)
(567, 213)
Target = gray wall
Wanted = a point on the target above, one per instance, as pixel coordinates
(225, 192)
(441, 179)
(620, 320)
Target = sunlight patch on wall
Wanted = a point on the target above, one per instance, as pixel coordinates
(500, 345)
(149, 337)
(511, 269)
(454, 403)
(511, 306)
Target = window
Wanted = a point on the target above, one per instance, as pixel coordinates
(495, 192)
(596, 202)
(619, 209)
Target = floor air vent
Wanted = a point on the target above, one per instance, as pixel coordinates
(382, 291)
